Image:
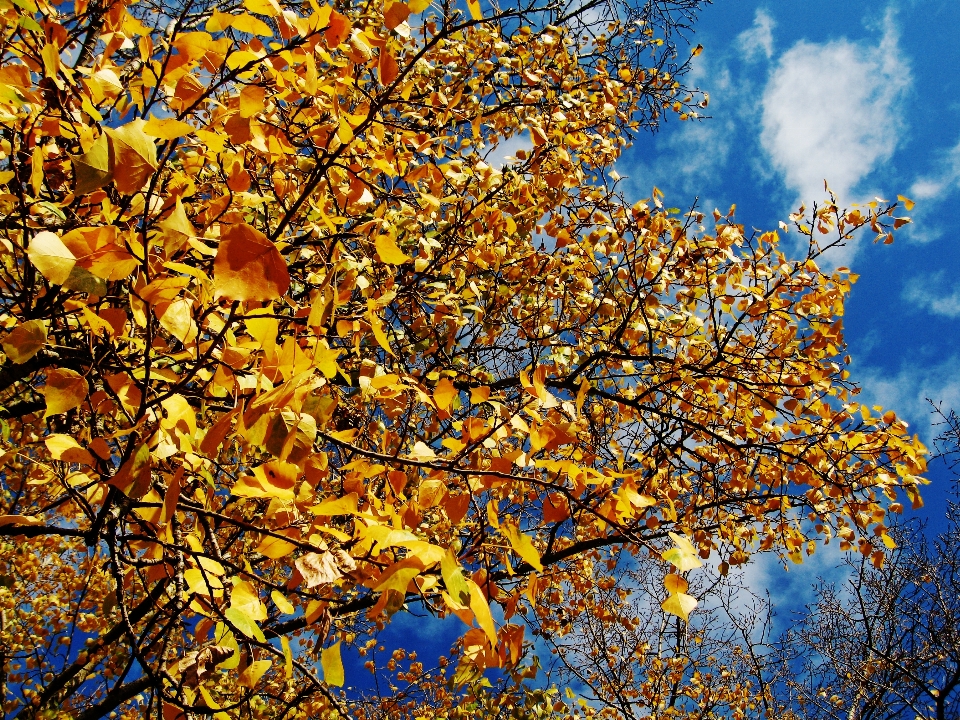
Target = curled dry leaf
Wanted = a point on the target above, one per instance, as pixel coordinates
(324, 567)
(195, 667)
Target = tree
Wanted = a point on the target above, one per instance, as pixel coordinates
(624, 650)
(288, 350)
(885, 644)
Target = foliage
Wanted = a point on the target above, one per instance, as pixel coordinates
(885, 644)
(287, 350)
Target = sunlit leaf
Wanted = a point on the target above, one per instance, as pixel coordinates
(51, 257)
(332, 665)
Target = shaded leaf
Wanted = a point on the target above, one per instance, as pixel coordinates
(248, 266)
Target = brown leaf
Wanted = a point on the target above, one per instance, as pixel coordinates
(200, 664)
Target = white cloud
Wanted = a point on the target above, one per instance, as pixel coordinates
(759, 38)
(930, 191)
(908, 391)
(831, 111)
(925, 293)
(946, 179)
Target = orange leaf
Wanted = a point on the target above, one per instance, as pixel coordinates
(389, 69)
(444, 394)
(248, 266)
(395, 14)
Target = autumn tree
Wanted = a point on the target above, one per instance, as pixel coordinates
(626, 650)
(289, 349)
(885, 643)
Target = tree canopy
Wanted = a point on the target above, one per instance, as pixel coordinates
(290, 348)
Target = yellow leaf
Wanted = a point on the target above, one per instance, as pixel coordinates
(347, 505)
(275, 479)
(389, 252)
(326, 361)
(251, 101)
(65, 448)
(332, 665)
(36, 170)
(397, 579)
(444, 393)
(253, 672)
(248, 266)
(481, 610)
(418, 6)
(167, 129)
(287, 657)
(283, 605)
(177, 319)
(475, 12)
(133, 156)
(377, 326)
(522, 545)
(51, 257)
(684, 555)
(270, 8)
(454, 579)
(275, 548)
(252, 26)
(423, 452)
(246, 599)
(907, 202)
(479, 394)
(679, 604)
(65, 390)
(25, 341)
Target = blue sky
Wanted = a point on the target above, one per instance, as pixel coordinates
(867, 96)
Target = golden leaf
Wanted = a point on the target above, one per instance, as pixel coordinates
(25, 341)
(684, 555)
(167, 129)
(481, 610)
(522, 545)
(253, 672)
(65, 389)
(65, 448)
(248, 266)
(389, 251)
(133, 156)
(679, 604)
(332, 665)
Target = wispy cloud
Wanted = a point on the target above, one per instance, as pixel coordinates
(831, 111)
(928, 293)
(944, 180)
(930, 191)
(907, 392)
(758, 40)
